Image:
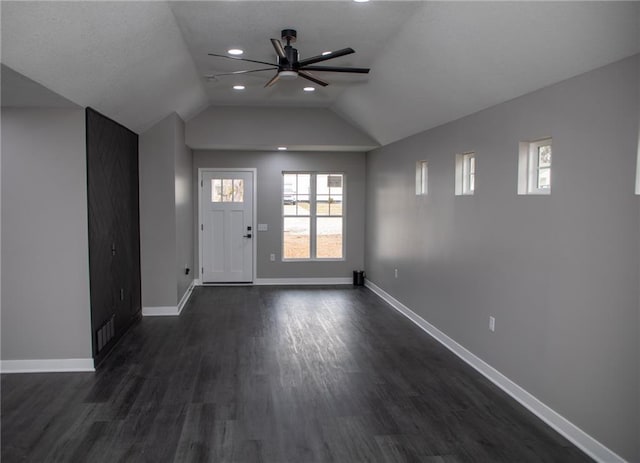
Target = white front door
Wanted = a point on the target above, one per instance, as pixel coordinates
(226, 227)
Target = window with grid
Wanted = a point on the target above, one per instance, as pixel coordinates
(465, 183)
(422, 172)
(534, 167)
(313, 215)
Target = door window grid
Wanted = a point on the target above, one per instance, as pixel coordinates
(227, 190)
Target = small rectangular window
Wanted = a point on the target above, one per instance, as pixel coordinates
(421, 178)
(465, 183)
(534, 167)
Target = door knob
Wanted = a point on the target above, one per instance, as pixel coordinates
(248, 235)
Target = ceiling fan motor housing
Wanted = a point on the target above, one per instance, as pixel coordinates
(289, 63)
(290, 35)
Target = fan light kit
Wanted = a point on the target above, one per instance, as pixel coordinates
(287, 75)
(309, 89)
(289, 66)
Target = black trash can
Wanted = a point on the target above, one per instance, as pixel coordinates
(358, 277)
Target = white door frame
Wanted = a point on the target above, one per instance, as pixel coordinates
(254, 230)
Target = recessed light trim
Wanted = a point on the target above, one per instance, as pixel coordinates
(239, 87)
(235, 51)
(282, 148)
(309, 89)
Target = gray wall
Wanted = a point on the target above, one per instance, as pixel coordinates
(309, 129)
(45, 258)
(269, 209)
(184, 208)
(559, 272)
(166, 217)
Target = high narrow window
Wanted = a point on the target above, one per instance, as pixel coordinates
(465, 183)
(534, 167)
(313, 216)
(421, 177)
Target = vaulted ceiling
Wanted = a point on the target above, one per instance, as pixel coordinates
(431, 62)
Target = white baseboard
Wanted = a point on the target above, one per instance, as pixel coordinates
(170, 310)
(186, 296)
(163, 311)
(46, 365)
(302, 281)
(571, 432)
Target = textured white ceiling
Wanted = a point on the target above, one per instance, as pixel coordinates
(455, 58)
(126, 59)
(431, 62)
(19, 91)
(215, 27)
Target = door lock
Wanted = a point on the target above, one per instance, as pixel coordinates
(248, 235)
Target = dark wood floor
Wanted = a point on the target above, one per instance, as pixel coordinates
(274, 374)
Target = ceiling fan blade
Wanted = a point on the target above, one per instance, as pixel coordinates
(273, 80)
(336, 69)
(277, 44)
(238, 72)
(333, 54)
(308, 76)
(243, 59)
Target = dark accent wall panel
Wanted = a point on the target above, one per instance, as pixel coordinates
(114, 230)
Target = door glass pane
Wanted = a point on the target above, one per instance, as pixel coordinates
(329, 238)
(297, 238)
(216, 190)
(238, 190)
(227, 190)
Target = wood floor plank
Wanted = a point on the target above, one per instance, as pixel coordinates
(274, 375)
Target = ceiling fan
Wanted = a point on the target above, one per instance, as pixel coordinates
(289, 66)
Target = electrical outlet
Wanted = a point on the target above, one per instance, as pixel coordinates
(492, 323)
(272, 257)
(395, 273)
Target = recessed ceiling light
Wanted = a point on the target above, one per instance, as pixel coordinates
(235, 51)
(309, 89)
(361, 1)
(282, 148)
(325, 53)
(238, 87)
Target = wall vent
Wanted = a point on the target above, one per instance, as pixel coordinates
(106, 332)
